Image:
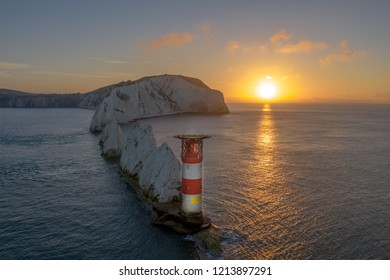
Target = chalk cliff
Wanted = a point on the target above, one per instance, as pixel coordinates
(155, 169)
(157, 96)
(92, 99)
(112, 140)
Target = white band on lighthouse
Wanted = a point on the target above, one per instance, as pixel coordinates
(192, 170)
(191, 203)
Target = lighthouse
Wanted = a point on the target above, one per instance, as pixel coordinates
(186, 216)
(192, 157)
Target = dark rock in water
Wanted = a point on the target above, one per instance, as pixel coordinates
(169, 215)
(205, 234)
(210, 239)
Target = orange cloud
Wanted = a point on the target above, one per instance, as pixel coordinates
(10, 66)
(206, 29)
(281, 35)
(111, 61)
(69, 74)
(344, 56)
(4, 74)
(168, 40)
(304, 46)
(234, 47)
(13, 65)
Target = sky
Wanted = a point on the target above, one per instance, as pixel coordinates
(312, 51)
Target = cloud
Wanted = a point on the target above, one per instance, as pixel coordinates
(281, 35)
(168, 40)
(4, 75)
(234, 47)
(304, 46)
(382, 95)
(69, 74)
(344, 56)
(12, 65)
(278, 44)
(206, 29)
(97, 75)
(110, 61)
(133, 61)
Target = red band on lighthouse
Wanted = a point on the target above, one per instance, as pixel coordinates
(191, 186)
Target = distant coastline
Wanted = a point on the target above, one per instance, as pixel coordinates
(10, 98)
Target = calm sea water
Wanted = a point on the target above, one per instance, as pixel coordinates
(280, 182)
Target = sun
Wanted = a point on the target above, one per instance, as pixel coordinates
(266, 90)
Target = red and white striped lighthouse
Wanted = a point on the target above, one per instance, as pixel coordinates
(192, 157)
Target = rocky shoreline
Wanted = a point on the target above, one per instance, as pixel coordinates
(155, 172)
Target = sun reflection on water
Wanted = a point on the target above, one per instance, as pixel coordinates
(270, 214)
(266, 107)
(266, 145)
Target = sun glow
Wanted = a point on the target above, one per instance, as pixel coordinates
(267, 89)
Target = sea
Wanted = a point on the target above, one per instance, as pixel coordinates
(280, 181)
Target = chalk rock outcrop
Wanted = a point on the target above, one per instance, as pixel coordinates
(156, 170)
(112, 139)
(92, 99)
(162, 173)
(140, 144)
(157, 96)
